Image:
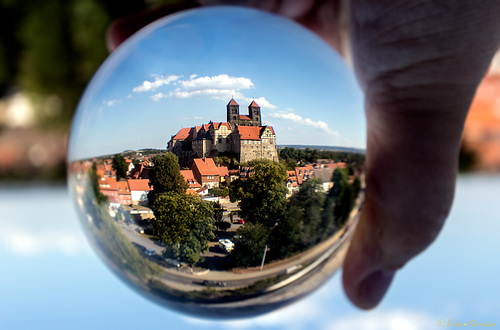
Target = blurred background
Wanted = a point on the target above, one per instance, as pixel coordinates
(48, 52)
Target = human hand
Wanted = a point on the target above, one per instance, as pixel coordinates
(419, 63)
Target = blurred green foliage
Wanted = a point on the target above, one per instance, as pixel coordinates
(50, 49)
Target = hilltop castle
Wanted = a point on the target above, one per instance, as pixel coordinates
(242, 135)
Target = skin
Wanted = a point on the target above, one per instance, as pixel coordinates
(419, 64)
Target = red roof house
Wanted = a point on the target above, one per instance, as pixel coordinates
(205, 172)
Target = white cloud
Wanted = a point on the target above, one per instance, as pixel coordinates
(385, 320)
(220, 82)
(214, 93)
(301, 121)
(261, 101)
(158, 96)
(218, 87)
(110, 103)
(153, 85)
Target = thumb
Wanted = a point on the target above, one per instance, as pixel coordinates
(419, 64)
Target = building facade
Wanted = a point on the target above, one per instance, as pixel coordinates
(242, 135)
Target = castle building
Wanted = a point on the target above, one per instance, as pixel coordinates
(242, 135)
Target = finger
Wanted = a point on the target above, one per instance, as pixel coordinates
(419, 64)
(121, 29)
(328, 19)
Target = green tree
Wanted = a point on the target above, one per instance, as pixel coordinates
(262, 196)
(356, 185)
(177, 215)
(285, 239)
(186, 223)
(249, 245)
(197, 243)
(310, 200)
(220, 192)
(165, 177)
(94, 181)
(218, 211)
(302, 225)
(119, 164)
(343, 195)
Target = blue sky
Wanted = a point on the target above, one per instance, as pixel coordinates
(51, 279)
(183, 70)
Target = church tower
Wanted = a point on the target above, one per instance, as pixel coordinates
(233, 113)
(254, 113)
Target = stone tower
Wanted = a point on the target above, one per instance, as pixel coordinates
(254, 113)
(233, 112)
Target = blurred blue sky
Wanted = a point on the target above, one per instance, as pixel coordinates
(51, 279)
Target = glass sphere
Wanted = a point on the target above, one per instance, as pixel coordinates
(202, 206)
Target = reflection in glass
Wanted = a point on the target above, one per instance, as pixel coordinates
(200, 205)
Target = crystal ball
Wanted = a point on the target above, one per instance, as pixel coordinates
(216, 161)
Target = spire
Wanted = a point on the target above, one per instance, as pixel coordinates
(232, 102)
(254, 105)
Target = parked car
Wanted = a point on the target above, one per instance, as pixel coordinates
(240, 221)
(150, 252)
(226, 245)
(214, 283)
(172, 262)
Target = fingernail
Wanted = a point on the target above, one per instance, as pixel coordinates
(373, 288)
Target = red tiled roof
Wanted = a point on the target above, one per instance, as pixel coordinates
(206, 166)
(249, 132)
(206, 127)
(245, 117)
(123, 187)
(108, 183)
(218, 125)
(304, 172)
(223, 170)
(193, 132)
(182, 134)
(254, 104)
(139, 185)
(232, 102)
(189, 177)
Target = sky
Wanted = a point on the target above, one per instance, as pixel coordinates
(183, 70)
(51, 279)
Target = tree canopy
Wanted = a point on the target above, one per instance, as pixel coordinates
(262, 196)
(166, 177)
(343, 194)
(120, 166)
(94, 181)
(177, 215)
